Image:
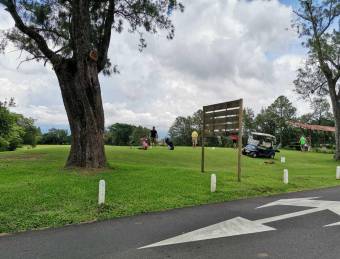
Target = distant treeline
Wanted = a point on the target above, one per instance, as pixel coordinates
(121, 134)
(118, 134)
(17, 130)
(272, 120)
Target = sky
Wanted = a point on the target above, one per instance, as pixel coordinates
(222, 50)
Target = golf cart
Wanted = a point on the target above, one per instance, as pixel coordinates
(260, 145)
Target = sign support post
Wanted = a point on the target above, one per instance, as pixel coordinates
(240, 135)
(203, 140)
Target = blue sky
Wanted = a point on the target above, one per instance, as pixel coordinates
(293, 3)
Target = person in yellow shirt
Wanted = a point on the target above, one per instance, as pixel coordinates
(194, 137)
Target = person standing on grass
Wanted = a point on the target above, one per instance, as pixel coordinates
(234, 138)
(194, 137)
(302, 143)
(154, 136)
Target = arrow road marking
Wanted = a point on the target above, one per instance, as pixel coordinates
(333, 206)
(287, 216)
(241, 226)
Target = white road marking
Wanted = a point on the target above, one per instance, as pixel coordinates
(240, 226)
(287, 216)
(231, 227)
(334, 224)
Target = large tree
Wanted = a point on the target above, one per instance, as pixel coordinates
(319, 26)
(281, 111)
(321, 111)
(274, 119)
(248, 122)
(180, 131)
(74, 37)
(119, 134)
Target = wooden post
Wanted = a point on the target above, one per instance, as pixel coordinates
(203, 140)
(240, 141)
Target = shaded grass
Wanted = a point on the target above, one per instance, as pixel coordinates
(36, 191)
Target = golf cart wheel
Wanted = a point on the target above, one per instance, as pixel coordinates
(272, 156)
(254, 155)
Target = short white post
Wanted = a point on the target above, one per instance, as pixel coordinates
(101, 193)
(285, 176)
(338, 172)
(283, 159)
(213, 183)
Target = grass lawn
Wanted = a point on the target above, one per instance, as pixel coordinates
(36, 192)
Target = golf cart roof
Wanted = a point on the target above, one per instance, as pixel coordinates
(263, 134)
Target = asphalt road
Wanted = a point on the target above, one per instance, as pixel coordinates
(298, 235)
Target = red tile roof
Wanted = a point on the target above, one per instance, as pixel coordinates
(311, 127)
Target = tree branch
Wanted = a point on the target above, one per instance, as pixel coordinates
(30, 59)
(30, 32)
(330, 20)
(104, 42)
(302, 16)
(336, 66)
(324, 67)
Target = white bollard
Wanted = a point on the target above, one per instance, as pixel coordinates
(283, 159)
(213, 183)
(338, 172)
(285, 176)
(101, 193)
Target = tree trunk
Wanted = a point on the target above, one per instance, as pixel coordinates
(81, 94)
(336, 111)
(337, 133)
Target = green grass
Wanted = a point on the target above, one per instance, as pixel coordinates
(37, 192)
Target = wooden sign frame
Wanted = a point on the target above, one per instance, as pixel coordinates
(221, 119)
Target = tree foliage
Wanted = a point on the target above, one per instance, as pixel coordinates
(318, 24)
(31, 133)
(248, 121)
(321, 114)
(119, 134)
(15, 129)
(74, 37)
(122, 134)
(281, 112)
(274, 119)
(49, 30)
(137, 133)
(180, 131)
(55, 137)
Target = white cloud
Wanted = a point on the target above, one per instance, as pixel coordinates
(53, 114)
(5, 19)
(222, 50)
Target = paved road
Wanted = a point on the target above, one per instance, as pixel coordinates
(294, 235)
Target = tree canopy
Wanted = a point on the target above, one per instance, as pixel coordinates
(15, 129)
(49, 30)
(122, 134)
(74, 37)
(318, 24)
